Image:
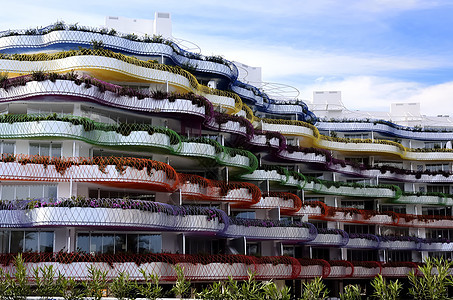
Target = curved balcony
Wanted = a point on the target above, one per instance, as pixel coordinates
(387, 129)
(109, 65)
(83, 38)
(113, 213)
(248, 94)
(330, 238)
(287, 202)
(226, 156)
(424, 199)
(120, 70)
(398, 269)
(425, 221)
(312, 209)
(62, 87)
(340, 269)
(362, 241)
(196, 267)
(430, 155)
(286, 129)
(271, 139)
(361, 216)
(299, 156)
(256, 229)
(118, 171)
(366, 269)
(311, 268)
(337, 188)
(271, 175)
(234, 126)
(282, 267)
(193, 187)
(436, 245)
(358, 145)
(239, 192)
(403, 243)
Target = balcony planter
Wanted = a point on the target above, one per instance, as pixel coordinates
(311, 268)
(277, 267)
(362, 241)
(340, 269)
(366, 269)
(330, 238)
(299, 234)
(398, 269)
(399, 243)
(436, 245)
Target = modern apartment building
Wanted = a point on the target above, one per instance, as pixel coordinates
(127, 152)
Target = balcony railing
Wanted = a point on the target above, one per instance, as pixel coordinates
(363, 241)
(366, 269)
(406, 243)
(255, 229)
(340, 269)
(398, 269)
(112, 213)
(287, 202)
(436, 245)
(330, 237)
(313, 268)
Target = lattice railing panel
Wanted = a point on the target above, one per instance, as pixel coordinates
(340, 269)
(311, 268)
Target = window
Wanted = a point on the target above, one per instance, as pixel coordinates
(28, 191)
(53, 150)
(400, 209)
(92, 242)
(357, 136)
(399, 255)
(435, 145)
(253, 249)
(7, 148)
(26, 241)
(438, 189)
(353, 204)
(438, 167)
(360, 255)
(244, 214)
(370, 229)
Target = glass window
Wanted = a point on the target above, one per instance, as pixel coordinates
(8, 192)
(7, 148)
(17, 242)
(96, 243)
(83, 242)
(55, 150)
(35, 191)
(26, 241)
(31, 241)
(50, 191)
(22, 193)
(45, 149)
(108, 243)
(245, 214)
(34, 149)
(4, 241)
(46, 241)
(149, 243)
(253, 249)
(120, 243)
(132, 243)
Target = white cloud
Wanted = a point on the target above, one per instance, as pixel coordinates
(369, 93)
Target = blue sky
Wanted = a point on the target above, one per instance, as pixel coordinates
(375, 51)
